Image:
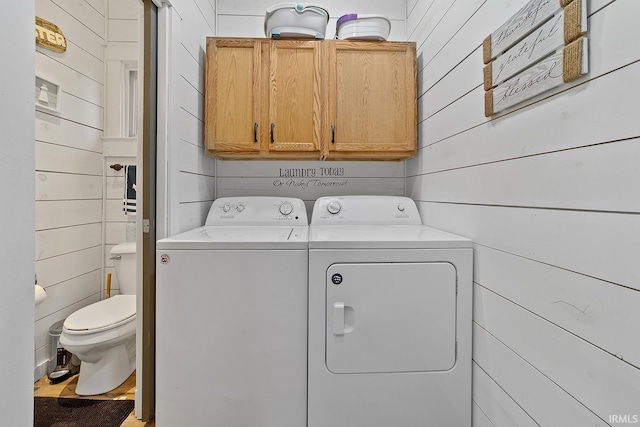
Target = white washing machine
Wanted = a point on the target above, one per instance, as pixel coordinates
(390, 312)
(231, 317)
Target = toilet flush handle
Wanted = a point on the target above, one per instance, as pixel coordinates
(118, 257)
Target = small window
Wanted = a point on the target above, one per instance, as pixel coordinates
(130, 86)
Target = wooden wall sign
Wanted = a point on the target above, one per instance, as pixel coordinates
(569, 64)
(522, 23)
(520, 71)
(49, 36)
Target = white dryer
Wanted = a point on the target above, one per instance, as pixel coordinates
(390, 312)
(231, 317)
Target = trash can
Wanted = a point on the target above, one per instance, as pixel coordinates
(62, 364)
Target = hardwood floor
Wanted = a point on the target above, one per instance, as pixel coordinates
(126, 391)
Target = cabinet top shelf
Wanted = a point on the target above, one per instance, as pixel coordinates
(355, 43)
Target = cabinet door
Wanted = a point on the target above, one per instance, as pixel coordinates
(295, 90)
(232, 113)
(372, 100)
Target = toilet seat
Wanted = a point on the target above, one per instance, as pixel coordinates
(102, 316)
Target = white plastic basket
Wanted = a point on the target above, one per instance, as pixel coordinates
(363, 27)
(295, 20)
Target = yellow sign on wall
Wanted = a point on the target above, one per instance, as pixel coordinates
(49, 36)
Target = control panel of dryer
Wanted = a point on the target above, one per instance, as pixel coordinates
(379, 210)
(257, 211)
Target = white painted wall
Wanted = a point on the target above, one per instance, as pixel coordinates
(121, 54)
(246, 18)
(17, 213)
(548, 192)
(186, 175)
(69, 168)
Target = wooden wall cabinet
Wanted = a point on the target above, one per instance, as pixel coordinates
(308, 99)
(263, 99)
(233, 92)
(372, 100)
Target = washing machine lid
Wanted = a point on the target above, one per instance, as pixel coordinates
(238, 237)
(103, 315)
(383, 237)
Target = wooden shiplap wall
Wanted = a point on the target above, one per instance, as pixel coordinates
(122, 50)
(309, 180)
(69, 168)
(547, 191)
(187, 174)
(118, 227)
(269, 178)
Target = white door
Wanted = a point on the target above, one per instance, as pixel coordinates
(390, 317)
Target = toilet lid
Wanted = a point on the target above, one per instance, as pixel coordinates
(102, 315)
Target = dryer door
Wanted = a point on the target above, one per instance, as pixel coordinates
(390, 317)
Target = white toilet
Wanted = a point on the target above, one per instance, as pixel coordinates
(103, 335)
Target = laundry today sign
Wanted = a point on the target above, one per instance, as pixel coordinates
(49, 36)
(303, 178)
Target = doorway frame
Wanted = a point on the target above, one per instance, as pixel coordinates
(145, 380)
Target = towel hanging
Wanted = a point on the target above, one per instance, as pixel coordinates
(129, 207)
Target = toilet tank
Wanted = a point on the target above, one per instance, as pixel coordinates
(125, 264)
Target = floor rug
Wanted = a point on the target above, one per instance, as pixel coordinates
(65, 412)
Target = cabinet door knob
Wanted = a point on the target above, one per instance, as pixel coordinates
(255, 132)
(333, 133)
(272, 137)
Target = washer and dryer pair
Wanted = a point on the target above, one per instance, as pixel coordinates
(361, 319)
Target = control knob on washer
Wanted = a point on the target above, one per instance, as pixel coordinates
(334, 207)
(286, 208)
